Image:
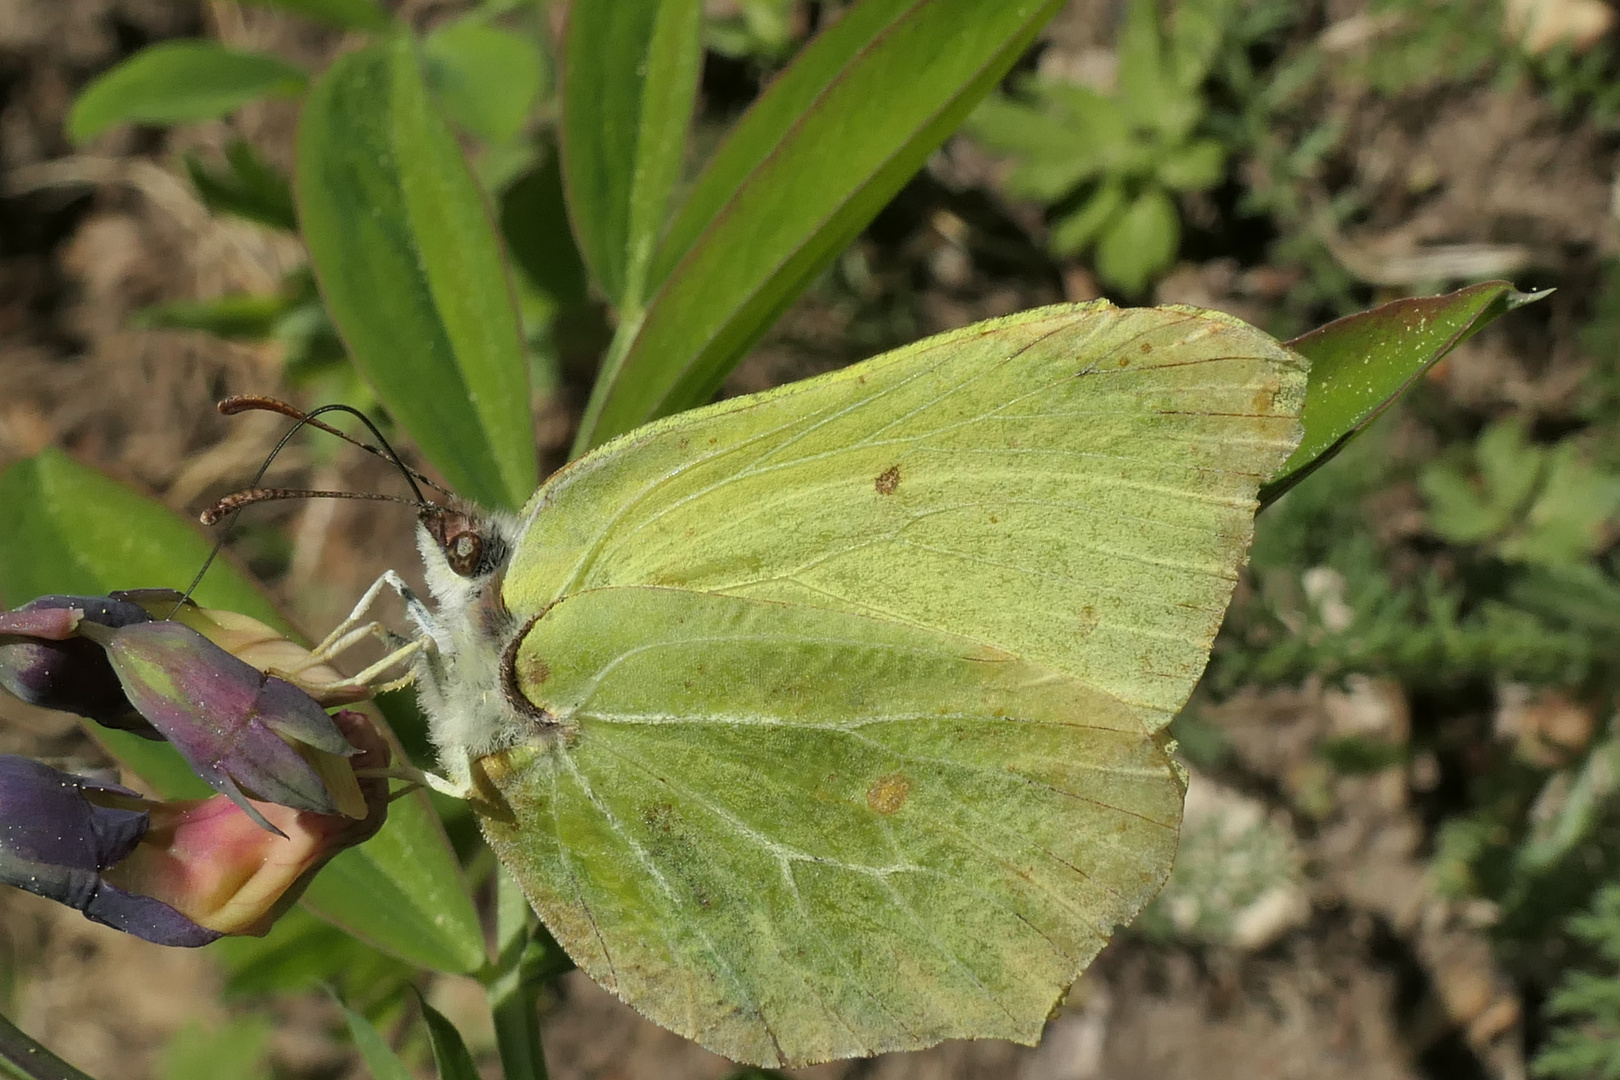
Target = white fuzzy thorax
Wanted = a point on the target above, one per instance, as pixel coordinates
(458, 678)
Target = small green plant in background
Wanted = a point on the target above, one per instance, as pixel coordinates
(1415, 44)
(1585, 1045)
(1112, 164)
(1546, 505)
(758, 30)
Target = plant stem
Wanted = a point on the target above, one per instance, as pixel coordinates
(24, 1059)
(512, 998)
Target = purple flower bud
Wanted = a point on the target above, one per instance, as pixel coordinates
(56, 842)
(210, 861)
(230, 721)
(248, 639)
(45, 663)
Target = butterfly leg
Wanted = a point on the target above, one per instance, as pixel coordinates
(399, 656)
(422, 778)
(353, 628)
(443, 786)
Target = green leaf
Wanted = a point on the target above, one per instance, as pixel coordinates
(1193, 167)
(486, 79)
(65, 528)
(1576, 818)
(818, 154)
(449, 1050)
(295, 317)
(512, 989)
(1567, 522)
(301, 953)
(534, 221)
(1539, 504)
(250, 187)
(412, 272)
(374, 1049)
(757, 30)
(1074, 232)
(1054, 152)
(630, 76)
(402, 891)
(353, 14)
(1197, 30)
(1140, 242)
(176, 82)
(1465, 513)
(1361, 363)
(877, 665)
(1146, 88)
(239, 1048)
(240, 317)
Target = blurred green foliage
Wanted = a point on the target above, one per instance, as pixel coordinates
(759, 30)
(1586, 1045)
(238, 1048)
(1110, 164)
(1543, 505)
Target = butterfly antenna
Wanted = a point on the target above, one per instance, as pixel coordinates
(232, 505)
(263, 403)
(240, 500)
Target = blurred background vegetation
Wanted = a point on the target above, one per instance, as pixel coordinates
(1402, 852)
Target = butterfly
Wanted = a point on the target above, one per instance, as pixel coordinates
(830, 720)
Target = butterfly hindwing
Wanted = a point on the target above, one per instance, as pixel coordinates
(796, 834)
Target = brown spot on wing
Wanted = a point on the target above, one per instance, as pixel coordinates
(1265, 397)
(888, 793)
(887, 480)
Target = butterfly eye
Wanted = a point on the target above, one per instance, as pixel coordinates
(463, 551)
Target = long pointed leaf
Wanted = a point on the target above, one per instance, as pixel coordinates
(412, 271)
(629, 83)
(65, 528)
(176, 82)
(812, 162)
(379, 1057)
(450, 1055)
(1361, 363)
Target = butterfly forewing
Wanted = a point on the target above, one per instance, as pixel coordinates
(1073, 485)
(856, 683)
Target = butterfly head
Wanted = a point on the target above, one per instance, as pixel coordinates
(464, 550)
